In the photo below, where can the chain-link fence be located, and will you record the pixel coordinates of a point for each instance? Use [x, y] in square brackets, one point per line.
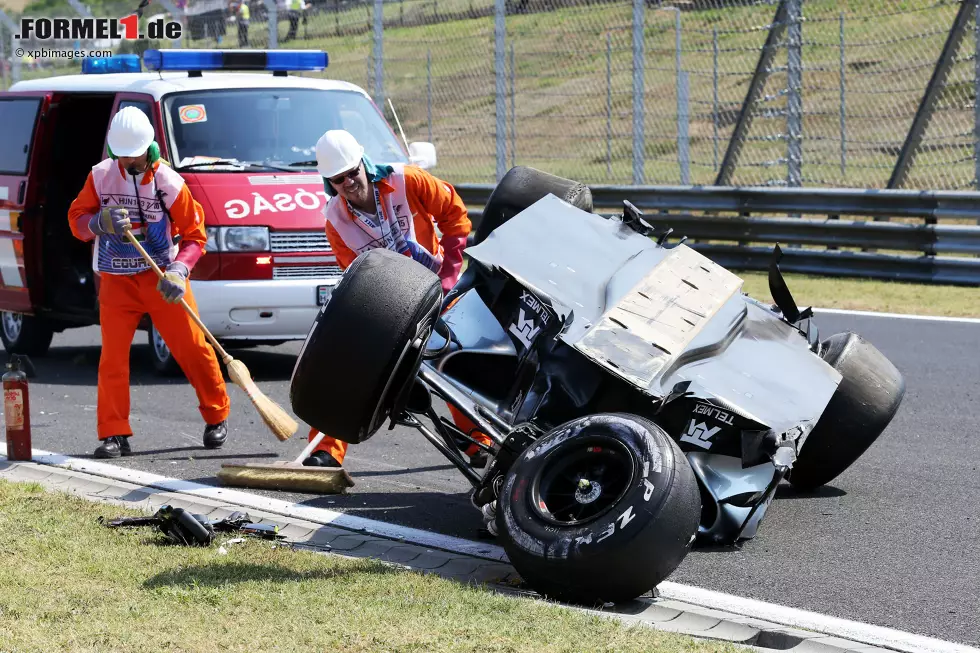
[856, 93]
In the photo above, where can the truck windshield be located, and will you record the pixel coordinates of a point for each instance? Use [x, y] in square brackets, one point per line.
[273, 128]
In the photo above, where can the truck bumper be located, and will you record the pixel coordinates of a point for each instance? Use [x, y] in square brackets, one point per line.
[259, 310]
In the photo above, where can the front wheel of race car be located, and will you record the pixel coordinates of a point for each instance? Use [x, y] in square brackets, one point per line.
[520, 188]
[600, 509]
[365, 346]
[868, 396]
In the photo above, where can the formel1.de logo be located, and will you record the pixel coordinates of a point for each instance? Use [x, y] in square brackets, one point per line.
[80, 29]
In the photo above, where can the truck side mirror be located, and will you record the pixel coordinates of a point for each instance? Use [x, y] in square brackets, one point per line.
[422, 154]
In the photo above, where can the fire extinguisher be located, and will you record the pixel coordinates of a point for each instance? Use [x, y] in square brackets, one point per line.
[17, 410]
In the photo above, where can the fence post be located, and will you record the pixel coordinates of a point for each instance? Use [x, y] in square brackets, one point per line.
[794, 98]
[273, 12]
[976, 102]
[608, 105]
[759, 77]
[499, 30]
[843, 102]
[683, 120]
[513, 111]
[681, 80]
[428, 75]
[14, 60]
[924, 113]
[379, 60]
[3, 58]
[714, 110]
[639, 7]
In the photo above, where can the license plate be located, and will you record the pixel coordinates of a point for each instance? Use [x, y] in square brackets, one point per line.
[323, 294]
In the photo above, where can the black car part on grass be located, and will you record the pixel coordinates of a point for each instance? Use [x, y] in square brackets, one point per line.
[191, 529]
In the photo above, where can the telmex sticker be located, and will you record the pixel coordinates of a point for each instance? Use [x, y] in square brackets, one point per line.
[192, 113]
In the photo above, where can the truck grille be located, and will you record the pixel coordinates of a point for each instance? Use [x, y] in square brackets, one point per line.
[299, 241]
[326, 272]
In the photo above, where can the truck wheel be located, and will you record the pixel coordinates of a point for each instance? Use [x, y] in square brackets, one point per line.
[365, 346]
[163, 361]
[520, 188]
[25, 334]
[600, 509]
[870, 392]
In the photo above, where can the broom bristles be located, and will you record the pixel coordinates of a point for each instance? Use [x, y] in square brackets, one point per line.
[277, 419]
[287, 477]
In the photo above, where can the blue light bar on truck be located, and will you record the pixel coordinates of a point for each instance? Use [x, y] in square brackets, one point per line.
[194, 60]
[121, 63]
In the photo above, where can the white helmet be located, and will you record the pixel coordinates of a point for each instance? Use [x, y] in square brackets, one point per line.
[130, 132]
[337, 151]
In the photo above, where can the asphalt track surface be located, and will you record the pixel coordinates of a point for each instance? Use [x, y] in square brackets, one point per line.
[892, 542]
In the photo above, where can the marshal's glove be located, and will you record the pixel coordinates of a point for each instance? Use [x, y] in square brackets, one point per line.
[110, 220]
[174, 282]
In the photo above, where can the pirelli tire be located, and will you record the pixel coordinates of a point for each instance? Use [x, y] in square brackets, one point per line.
[520, 188]
[601, 509]
[868, 397]
[365, 347]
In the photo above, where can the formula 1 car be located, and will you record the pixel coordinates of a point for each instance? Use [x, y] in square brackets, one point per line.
[637, 400]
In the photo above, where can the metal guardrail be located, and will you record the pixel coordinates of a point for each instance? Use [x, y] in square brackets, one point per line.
[724, 223]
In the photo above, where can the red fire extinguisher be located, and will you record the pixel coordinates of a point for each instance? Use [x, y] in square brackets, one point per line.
[17, 410]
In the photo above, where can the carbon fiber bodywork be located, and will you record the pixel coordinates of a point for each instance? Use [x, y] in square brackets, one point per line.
[564, 313]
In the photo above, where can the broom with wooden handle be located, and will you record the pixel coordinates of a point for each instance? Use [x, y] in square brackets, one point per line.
[277, 419]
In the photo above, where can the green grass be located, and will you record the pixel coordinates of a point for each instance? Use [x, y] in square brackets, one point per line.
[561, 87]
[71, 584]
[870, 295]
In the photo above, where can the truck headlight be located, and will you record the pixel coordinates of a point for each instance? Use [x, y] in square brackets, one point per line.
[214, 242]
[245, 239]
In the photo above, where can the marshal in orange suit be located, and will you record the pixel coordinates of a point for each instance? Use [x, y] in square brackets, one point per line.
[134, 189]
[361, 215]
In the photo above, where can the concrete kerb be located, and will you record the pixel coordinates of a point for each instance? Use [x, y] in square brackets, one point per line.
[484, 566]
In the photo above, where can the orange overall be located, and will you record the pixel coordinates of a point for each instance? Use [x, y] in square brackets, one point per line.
[125, 298]
[432, 202]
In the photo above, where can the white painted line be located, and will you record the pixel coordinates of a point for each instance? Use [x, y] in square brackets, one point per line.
[246, 499]
[843, 628]
[751, 608]
[902, 316]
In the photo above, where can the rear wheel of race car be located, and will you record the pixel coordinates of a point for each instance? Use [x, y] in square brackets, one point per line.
[365, 346]
[867, 398]
[520, 188]
[600, 509]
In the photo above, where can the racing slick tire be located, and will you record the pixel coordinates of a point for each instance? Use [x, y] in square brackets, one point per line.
[867, 398]
[520, 188]
[365, 347]
[24, 334]
[602, 508]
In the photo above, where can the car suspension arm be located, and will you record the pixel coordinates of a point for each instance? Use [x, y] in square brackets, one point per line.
[464, 404]
[472, 476]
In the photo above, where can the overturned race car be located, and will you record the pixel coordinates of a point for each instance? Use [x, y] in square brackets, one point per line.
[638, 401]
